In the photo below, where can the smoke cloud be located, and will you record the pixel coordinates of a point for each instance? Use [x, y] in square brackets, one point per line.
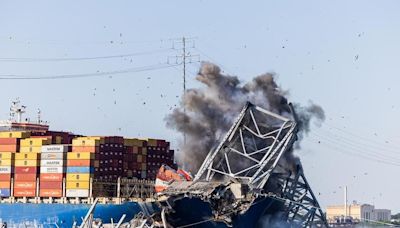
[211, 110]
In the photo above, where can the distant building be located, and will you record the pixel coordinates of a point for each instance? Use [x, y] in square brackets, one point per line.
[383, 214]
[361, 212]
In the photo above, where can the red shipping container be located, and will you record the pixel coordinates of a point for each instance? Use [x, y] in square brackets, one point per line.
[18, 192]
[25, 177]
[51, 177]
[5, 177]
[9, 148]
[50, 192]
[9, 141]
[50, 185]
[27, 170]
[25, 184]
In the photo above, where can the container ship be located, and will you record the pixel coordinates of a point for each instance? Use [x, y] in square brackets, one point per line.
[52, 177]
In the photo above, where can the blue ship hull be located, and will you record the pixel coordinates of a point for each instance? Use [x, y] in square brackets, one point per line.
[64, 215]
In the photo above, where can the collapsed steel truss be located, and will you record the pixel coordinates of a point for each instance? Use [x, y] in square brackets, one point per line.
[301, 205]
[250, 153]
[252, 148]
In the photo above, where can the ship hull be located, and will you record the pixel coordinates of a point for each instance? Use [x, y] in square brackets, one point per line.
[64, 215]
[261, 213]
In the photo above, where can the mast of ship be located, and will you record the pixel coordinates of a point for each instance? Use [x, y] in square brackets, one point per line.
[18, 110]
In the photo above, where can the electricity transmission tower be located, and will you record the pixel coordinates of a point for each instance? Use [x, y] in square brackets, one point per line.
[186, 57]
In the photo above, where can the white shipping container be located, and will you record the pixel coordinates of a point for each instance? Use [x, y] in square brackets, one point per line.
[52, 163]
[55, 148]
[5, 169]
[53, 156]
[52, 169]
[77, 193]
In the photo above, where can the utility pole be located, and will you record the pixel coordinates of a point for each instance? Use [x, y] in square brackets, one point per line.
[184, 58]
[184, 82]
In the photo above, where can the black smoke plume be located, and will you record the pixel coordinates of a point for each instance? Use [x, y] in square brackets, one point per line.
[211, 110]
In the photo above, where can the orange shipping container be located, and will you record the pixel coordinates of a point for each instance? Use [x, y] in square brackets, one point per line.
[51, 177]
[25, 177]
[9, 148]
[84, 162]
[5, 184]
[50, 192]
[5, 177]
[51, 185]
[91, 149]
[25, 184]
[18, 192]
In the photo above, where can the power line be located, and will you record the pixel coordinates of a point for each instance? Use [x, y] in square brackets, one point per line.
[4, 59]
[355, 141]
[351, 144]
[360, 150]
[212, 59]
[366, 139]
[85, 75]
[355, 153]
[112, 41]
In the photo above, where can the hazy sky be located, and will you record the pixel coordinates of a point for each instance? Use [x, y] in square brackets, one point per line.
[342, 55]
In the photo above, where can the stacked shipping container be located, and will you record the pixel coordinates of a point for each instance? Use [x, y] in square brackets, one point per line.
[6, 171]
[52, 170]
[135, 156]
[9, 145]
[158, 153]
[26, 174]
[36, 164]
[110, 158]
[34, 145]
[27, 166]
[80, 165]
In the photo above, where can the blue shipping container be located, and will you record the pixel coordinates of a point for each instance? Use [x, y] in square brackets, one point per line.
[80, 169]
[4, 192]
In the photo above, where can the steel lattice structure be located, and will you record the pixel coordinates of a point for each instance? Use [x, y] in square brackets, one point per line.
[301, 205]
[250, 153]
[252, 147]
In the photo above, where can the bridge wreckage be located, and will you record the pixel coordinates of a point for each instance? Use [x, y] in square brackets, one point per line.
[251, 179]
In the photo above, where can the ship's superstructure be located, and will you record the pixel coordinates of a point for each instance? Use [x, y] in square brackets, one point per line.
[17, 123]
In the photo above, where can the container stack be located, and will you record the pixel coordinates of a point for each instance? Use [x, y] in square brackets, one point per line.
[26, 174]
[79, 173]
[52, 170]
[80, 165]
[158, 153]
[10, 140]
[56, 137]
[110, 158]
[9, 145]
[135, 156]
[6, 171]
[34, 145]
